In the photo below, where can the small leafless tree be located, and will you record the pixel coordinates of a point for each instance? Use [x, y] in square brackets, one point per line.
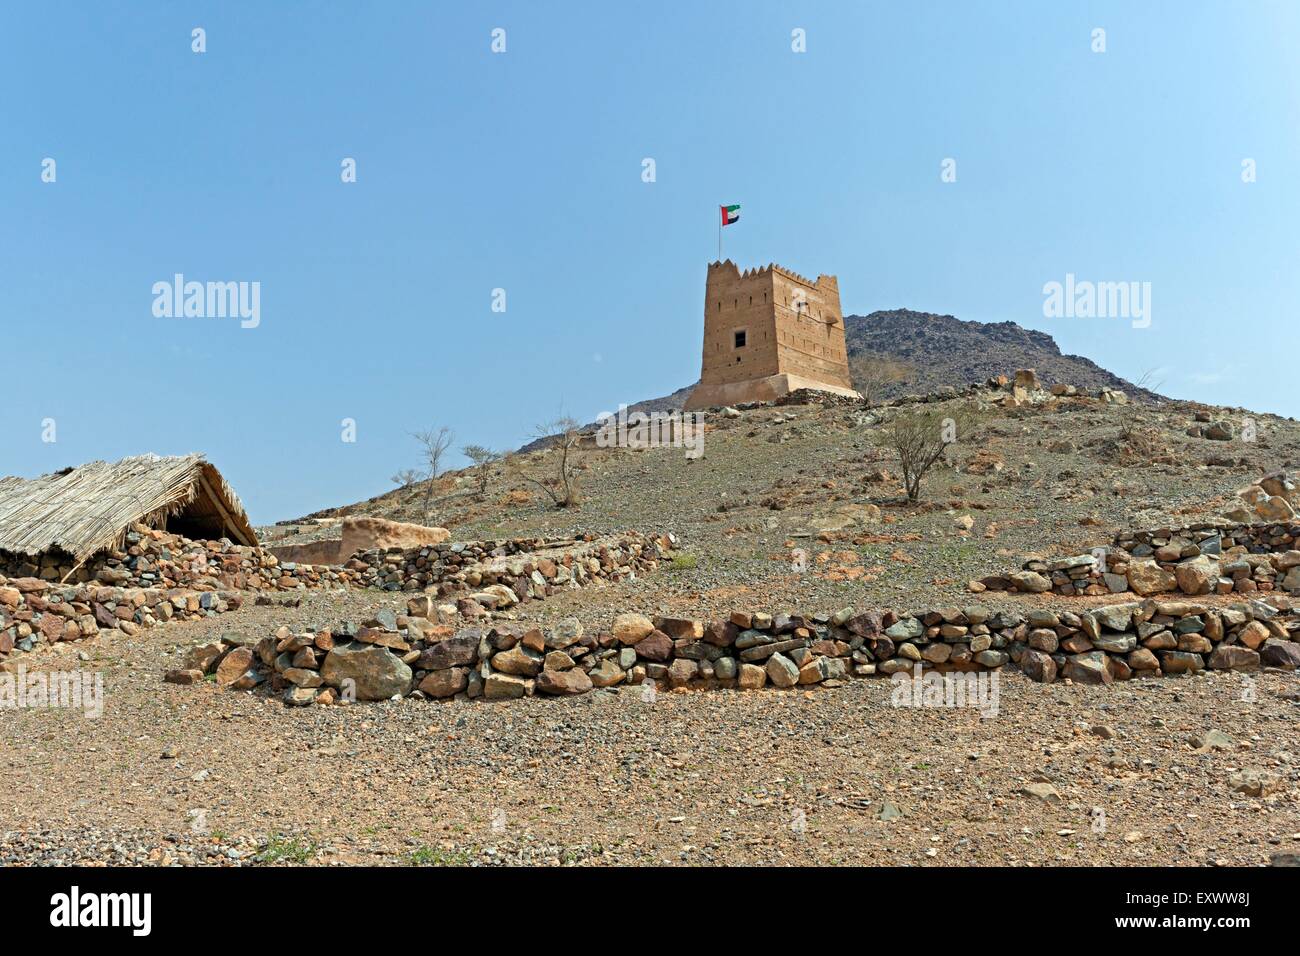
[483, 458]
[871, 373]
[406, 477]
[433, 445]
[920, 435]
[562, 436]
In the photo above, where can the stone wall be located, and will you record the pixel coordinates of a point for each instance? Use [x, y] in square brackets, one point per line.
[1206, 558]
[419, 654]
[150, 558]
[35, 612]
[499, 574]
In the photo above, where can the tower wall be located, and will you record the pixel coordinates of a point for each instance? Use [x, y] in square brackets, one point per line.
[793, 336]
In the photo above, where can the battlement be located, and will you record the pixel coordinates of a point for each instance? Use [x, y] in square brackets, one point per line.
[772, 267]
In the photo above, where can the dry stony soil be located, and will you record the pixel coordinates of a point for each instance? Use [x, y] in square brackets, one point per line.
[838, 775]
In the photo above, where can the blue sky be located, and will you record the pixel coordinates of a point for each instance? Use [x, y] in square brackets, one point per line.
[523, 171]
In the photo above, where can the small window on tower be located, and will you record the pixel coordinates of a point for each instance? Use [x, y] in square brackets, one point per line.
[740, 339]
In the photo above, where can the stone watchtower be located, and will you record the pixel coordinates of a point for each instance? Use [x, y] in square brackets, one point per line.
[768, 332]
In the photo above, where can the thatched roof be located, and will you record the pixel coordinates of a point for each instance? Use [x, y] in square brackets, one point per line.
[83, 510]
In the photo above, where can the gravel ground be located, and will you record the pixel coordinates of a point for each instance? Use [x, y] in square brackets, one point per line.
[834, 775]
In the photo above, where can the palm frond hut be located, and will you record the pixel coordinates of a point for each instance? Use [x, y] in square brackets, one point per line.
[81, 511]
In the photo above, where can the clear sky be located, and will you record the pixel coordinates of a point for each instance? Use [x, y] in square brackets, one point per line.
[523, 171]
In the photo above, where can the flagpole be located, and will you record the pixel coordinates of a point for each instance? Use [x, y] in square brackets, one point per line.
[719, 235]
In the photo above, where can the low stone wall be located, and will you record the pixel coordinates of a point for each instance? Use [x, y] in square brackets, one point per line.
[1193, 560]
[35, 612]
[502, 573]
[1210, 538]
[416, 655]
[150, 558]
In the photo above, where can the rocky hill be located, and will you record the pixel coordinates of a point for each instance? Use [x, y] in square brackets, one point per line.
[941, 350]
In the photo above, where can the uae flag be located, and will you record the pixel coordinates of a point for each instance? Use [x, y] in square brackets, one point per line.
[730, 214]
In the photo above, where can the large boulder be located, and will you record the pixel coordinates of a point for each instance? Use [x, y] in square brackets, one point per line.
[631, 628]
[1280, 653]
[1274, 508]
[365, 533]
[519, 661]
[1038, 666]
[1197, 575]
[376, 673]
[569, 682]
[456, 651]
[1093, 667]
[1233, 657]
[446, 683]
[1147, 577]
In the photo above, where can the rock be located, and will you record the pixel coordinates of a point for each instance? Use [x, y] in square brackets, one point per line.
[376, 673]
[631, 628]
[1147, 577]
[234, 666]
[1253, 635]
[1213, 740]
[963, 522]
[183, 676]
[1093, 667]
[1233, 657]
[1038, 666]
[1115, 643]
[456, 651]
[751, 677]
[1027, 379]
[519, 661]
[1279, 653]
[1181, 662]
[302, 677]
[1218, 431]
[607, 674]
[445, 683]
[1116, 617]
[1255, 783]
[782, 671]
[560, 661]
[657, 647]
[1041, 791]
[565, 633]
[1044, 639]
[1275, 508]
[991, 658]
[904, 629]
[504, 687]
[1143, 660]
[299, 696]
[682, 671]
[724, 668]
[203, 657]
[1197, 575]
[680, 628]
[367, 533]
[937, 653]
[567, 682]
[1030, 581]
